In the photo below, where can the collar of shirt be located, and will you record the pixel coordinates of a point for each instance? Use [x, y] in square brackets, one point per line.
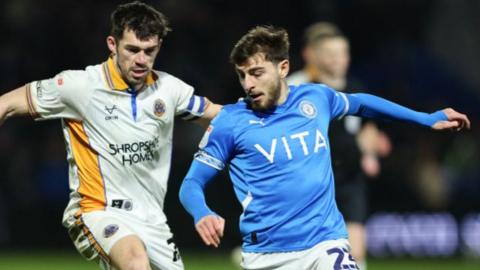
[114, 79]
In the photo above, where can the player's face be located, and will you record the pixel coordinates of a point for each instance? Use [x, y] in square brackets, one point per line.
[332, 56]
[263, 81]
[134, 57]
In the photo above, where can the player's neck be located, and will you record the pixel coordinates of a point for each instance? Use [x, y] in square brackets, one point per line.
[137, 87]
[284, 90]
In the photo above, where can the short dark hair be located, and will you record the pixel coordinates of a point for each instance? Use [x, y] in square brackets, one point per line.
[270, 40]
[143, 19]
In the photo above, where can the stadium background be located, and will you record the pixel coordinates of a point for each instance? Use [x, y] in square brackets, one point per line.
[424, 54]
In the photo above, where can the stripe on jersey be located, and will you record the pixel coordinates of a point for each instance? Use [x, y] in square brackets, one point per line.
[195, 109]
[106, 74]
[248, 199]
[347, 105]
[205, 158]
[31, 108]
[91, 239]
[91, 186]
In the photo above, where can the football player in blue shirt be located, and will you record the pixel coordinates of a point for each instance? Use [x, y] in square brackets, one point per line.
[276, 147]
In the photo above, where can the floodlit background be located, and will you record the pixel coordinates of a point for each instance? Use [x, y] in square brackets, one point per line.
[425, 207]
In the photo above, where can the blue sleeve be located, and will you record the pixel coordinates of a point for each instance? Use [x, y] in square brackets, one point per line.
[215, 150]
[217, 143]
[337, 101]
[192, 194]
[371, 106]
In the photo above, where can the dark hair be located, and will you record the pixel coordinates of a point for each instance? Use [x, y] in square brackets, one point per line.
[270, 40]
[143, 19]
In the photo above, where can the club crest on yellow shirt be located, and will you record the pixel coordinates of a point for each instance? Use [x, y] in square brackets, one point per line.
[159, 108]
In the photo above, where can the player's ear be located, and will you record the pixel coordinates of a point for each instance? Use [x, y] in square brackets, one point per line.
[112, 44]
[284, 68]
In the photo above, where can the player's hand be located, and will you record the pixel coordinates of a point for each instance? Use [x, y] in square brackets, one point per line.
[456, 121]
[210, 228]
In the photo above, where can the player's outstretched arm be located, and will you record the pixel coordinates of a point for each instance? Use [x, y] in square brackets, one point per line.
[13, 103]
[455, 121]
[371, 106]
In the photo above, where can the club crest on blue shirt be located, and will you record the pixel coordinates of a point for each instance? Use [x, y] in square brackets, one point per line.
[308, 109]
[110, 230]
[159, 107]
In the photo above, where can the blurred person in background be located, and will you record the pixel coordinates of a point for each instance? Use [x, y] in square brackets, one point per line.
[355, 146]
[117, 120]
[276, 146]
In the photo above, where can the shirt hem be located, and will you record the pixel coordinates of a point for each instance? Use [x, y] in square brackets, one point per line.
[292, 249]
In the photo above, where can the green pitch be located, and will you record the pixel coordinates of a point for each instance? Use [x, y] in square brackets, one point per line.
[57, 260]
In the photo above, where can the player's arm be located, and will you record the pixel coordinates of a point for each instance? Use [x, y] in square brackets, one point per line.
[13, 103]
[63, 96]
[211, 110]
[199, 110]
[371, 106]
[216, 148]
[209, 225]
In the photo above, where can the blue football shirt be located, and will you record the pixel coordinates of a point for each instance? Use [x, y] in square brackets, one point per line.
[280, 167]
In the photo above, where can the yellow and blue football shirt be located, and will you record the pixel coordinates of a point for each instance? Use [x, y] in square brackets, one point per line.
[119, 141]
